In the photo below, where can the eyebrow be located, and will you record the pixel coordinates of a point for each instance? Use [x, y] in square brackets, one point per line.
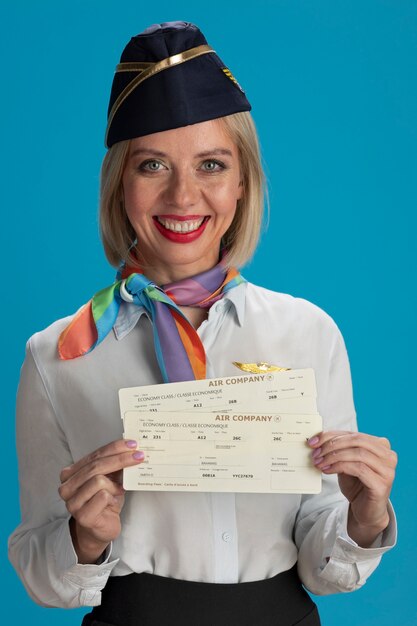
[200, 155]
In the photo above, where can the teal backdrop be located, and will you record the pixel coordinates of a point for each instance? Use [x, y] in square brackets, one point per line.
[333, 85]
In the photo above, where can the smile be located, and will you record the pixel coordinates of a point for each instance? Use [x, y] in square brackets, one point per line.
[181, 229]
[181, 226]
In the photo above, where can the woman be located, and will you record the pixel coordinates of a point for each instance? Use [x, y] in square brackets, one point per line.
[181, 197]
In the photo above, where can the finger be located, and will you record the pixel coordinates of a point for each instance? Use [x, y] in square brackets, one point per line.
[110, 449]
[365, 474]
[330, 435]
[318, 439]
[116, 477]
[100, 466]
[88, 491]
[336, 440]
[356, 455]
[88, 515]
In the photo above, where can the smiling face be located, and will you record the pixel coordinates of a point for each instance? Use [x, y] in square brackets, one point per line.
[181, 187]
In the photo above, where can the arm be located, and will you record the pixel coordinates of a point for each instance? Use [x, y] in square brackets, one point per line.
[331, 561]
[365, 467]
[41, 548]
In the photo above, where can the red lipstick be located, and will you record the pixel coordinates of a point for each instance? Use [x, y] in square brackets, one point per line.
[179, 218]
[181, 237]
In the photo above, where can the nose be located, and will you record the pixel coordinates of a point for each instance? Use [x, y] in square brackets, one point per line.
[182, 190]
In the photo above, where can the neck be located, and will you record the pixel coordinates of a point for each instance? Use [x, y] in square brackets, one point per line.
[164, 274]
[194, 314]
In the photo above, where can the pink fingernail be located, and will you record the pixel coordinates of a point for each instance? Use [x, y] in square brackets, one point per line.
[313, 441]
[326, 467]
[318, 460]
[131, 443]
[316, 453]
[138, 456]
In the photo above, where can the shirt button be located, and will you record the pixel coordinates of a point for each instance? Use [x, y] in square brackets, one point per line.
[227, 537]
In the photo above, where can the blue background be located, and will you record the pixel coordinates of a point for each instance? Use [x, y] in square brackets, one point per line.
[334, 95]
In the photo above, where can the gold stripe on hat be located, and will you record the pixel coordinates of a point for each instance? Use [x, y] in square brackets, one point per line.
[176, 59]
[133, 67]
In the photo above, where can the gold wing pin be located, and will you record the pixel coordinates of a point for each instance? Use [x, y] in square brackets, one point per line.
[259, 368]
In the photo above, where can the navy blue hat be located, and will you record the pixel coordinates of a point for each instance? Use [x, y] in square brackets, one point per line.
[169, 77]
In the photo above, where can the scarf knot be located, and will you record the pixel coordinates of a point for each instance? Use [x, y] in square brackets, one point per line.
[178, 347]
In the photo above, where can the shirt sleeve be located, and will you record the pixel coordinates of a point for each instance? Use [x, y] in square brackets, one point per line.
[41, 548]
[329, 561]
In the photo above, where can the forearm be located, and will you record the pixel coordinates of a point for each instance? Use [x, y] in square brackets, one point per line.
[365, 536]
[41, 547]
[47, 565]
[329, 559]
[88, 549]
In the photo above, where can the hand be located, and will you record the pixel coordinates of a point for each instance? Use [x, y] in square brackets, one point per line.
[365, 467]
[94, 496]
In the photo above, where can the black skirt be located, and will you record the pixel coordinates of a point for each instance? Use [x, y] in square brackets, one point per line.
[149, 600]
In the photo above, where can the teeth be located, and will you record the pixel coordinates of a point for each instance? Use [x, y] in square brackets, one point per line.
[180, 227]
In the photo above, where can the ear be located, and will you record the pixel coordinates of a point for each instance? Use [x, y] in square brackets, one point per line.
[240, 190]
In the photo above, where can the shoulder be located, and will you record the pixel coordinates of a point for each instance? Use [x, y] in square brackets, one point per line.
[288, 308]
[43, 345]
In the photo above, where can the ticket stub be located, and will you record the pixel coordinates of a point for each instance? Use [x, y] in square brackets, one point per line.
[230, 451]
[292, 391]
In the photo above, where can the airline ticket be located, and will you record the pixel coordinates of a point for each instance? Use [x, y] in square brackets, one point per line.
[291, 391]
[233, 434]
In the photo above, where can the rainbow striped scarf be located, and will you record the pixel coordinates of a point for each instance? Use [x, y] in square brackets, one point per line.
[178, 347]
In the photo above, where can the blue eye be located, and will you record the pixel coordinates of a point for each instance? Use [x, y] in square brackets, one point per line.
[213, 165]
[151, 165]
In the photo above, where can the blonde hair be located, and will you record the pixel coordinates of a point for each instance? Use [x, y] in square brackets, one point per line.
[241, 238]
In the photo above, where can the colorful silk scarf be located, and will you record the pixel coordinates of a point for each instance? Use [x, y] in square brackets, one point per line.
[178, 348]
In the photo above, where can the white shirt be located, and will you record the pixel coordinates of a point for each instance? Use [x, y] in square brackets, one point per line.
[66, 409]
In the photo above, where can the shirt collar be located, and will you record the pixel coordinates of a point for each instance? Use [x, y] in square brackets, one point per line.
[237, 296]
[129, 314]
